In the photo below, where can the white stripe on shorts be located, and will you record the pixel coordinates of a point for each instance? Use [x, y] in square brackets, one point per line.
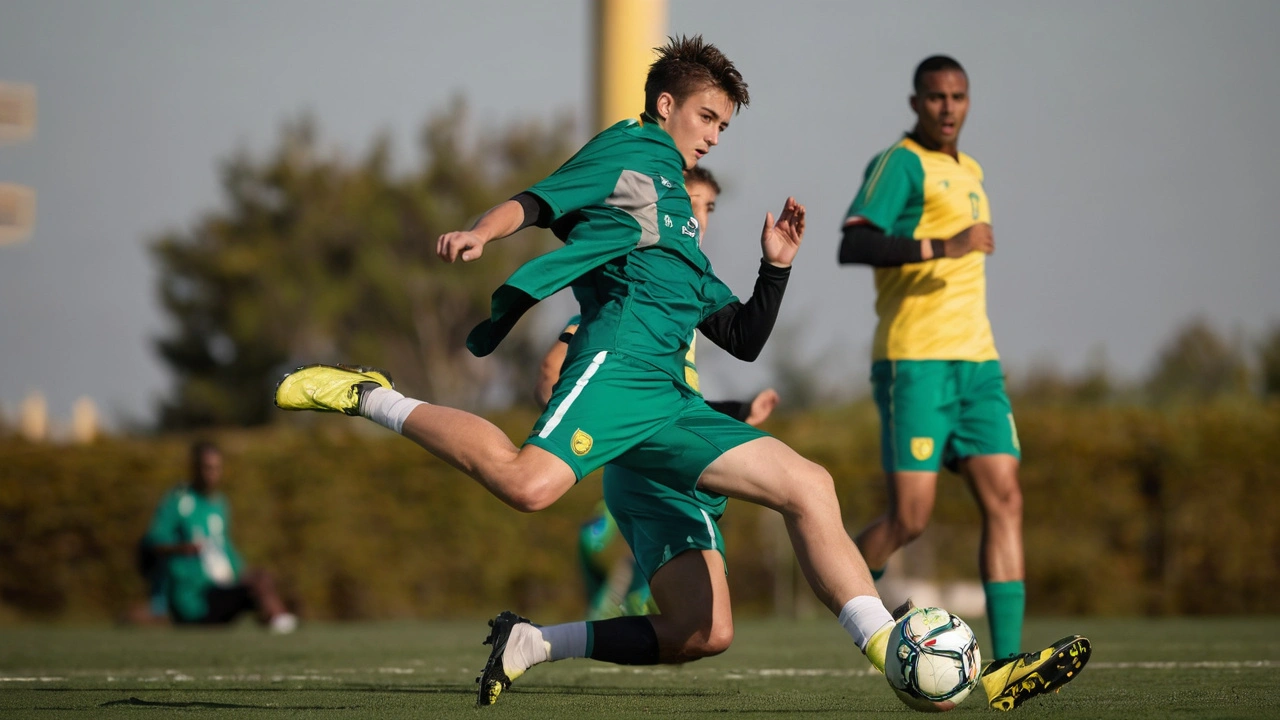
[563, 407]
[711, 528]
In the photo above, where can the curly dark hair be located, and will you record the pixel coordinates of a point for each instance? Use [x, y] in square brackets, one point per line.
[687, 65]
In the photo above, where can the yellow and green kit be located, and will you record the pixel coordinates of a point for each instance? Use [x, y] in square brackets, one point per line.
[935, 369]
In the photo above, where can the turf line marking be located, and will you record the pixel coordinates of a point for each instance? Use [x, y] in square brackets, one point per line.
[727, 673]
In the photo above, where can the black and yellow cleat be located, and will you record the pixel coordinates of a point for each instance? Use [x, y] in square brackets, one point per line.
[1013, 681]
[329, 388]
[496, 676]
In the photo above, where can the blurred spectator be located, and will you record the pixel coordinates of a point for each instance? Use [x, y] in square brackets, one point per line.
[190, 562]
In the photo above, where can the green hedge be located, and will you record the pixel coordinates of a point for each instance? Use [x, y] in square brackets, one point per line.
[1128, 511]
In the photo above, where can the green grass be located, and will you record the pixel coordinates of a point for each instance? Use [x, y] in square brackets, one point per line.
[1214, 668]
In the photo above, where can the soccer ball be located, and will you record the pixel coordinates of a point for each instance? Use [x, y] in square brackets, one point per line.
[932, 662]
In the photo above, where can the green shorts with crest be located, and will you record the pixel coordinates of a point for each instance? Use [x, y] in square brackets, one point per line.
[656, 436]
[610, 408]
[938, 412]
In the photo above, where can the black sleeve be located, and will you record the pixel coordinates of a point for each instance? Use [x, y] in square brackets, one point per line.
[742, 329]
[536, 211]
[865, 244]
[736, 409]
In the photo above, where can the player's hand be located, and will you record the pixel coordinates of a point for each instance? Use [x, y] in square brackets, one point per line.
[762, 406]
[976, 237]
[463, 245]
[781, 240]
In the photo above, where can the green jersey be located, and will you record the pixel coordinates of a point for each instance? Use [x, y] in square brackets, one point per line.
[186, 516]
[631, 253]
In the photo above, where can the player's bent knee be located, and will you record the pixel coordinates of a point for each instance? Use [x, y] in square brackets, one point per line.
[908, 527]
[811, 487]
[707, 643]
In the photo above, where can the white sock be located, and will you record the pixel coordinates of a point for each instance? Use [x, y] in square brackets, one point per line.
[566, 641]
[862, 617]
[387, 407]
[525, 648]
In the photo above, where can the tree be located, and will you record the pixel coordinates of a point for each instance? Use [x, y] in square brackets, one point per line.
[316, 259]
[1198, 365]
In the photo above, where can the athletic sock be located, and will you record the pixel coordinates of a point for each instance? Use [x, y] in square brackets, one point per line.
[864, 617]
[525, 648]
[565, 641]
[387, 407]
[624, 640]
[1006, 604]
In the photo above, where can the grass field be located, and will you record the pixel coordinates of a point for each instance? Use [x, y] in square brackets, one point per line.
[1214, 668]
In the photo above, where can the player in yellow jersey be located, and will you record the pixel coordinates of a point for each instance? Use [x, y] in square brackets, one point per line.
[921, 219]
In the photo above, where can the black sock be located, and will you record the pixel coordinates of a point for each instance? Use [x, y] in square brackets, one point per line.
[624, 640]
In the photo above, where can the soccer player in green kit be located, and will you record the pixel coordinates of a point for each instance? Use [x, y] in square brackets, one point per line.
[921, 219]
[660, 533]
[631, 255]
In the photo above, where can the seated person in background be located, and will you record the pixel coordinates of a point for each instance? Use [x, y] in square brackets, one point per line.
[205, 579]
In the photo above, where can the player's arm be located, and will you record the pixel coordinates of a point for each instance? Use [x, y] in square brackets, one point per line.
[743, 328]
[500, 221]
[865, 244]
[549, 373]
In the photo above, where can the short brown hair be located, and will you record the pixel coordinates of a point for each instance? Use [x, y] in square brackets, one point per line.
[687, 65]
[698, 175]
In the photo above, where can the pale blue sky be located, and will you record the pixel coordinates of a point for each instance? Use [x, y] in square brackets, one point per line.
[1127, 151]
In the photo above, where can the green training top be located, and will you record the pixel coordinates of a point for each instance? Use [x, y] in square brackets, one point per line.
[186, 516]
[631, 253]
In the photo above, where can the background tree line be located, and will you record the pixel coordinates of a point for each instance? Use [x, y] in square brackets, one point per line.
[316, 258]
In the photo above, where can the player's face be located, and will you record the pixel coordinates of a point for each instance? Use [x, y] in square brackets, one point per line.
[695, 124]
[209, 470]
[703, 199]
[941, 106]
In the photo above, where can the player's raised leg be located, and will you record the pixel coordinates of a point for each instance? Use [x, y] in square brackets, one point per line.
[527, 479]
[767, 472]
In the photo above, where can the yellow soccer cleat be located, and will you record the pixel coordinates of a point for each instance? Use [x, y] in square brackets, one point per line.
[1012, 681]
[878, 647]
[329, 388]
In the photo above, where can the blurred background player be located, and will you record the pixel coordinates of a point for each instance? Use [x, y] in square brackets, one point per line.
[921, 219]
[619, 585]
[198, 566]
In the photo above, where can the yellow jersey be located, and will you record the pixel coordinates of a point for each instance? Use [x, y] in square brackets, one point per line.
[936, 309]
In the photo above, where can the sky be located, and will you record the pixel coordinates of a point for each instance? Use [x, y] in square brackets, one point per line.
[1125, 147]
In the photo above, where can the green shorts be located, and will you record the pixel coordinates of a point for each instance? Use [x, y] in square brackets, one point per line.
[938, 412]
[661, 520]
[610, 408]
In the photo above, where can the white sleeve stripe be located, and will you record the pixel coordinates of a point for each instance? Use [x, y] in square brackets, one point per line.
[563, 407]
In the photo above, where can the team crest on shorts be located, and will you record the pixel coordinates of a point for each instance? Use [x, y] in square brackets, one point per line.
[921, 448]
[580, 442]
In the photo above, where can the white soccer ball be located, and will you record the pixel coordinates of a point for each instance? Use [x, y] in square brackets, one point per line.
[933, 660]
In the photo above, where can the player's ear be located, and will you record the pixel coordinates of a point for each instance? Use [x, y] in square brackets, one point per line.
[912, 102]
[666, 105]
